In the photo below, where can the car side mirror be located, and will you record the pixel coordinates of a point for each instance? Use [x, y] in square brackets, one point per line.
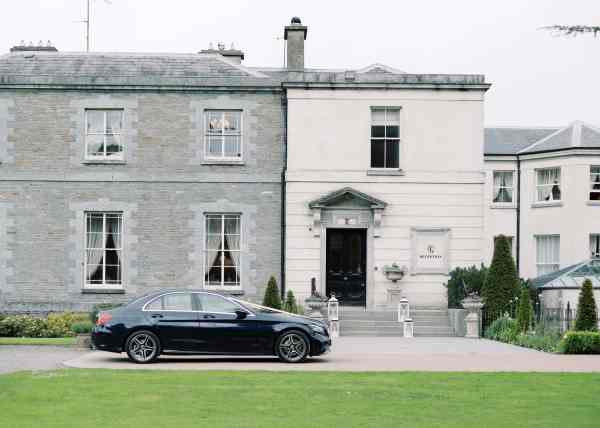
[241, 314]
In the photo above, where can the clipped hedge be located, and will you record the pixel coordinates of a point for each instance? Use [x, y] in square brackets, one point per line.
[83, 327]
[580, 342]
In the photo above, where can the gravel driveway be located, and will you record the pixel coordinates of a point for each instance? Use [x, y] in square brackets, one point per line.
[22, 357]
[376, 354]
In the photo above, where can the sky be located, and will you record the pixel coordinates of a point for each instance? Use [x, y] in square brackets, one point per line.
[538, 79]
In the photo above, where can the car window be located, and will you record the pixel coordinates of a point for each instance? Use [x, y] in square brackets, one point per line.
[172, 302]
[214, 303]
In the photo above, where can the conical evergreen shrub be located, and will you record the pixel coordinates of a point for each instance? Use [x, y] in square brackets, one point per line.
[587, 315]
[290, 303]
[272, 298]
[524, 311]
[502, 282]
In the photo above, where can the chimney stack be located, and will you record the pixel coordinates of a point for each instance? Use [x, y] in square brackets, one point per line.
[233, 54]
[41, 47]
[295, 34]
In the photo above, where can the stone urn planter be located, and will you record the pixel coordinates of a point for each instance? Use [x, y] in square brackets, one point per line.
[315, 304]
[473, 304]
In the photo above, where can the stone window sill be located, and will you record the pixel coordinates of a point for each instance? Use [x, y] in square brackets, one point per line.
[547, 204]
[103, 162]
[594, 203]
[385, 172]
[226, 291]
[102, 291]
[505, 206]
[222, 162]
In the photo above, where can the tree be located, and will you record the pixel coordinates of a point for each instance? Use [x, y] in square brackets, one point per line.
[524, 311]
[463, 281]
[290, 303]
[587, 316]
[573, 30]
[501, 283]
[272, 299]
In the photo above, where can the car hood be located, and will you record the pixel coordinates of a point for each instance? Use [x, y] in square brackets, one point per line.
[289, 317]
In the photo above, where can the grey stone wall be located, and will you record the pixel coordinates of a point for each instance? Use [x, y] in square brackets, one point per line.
[162, 188]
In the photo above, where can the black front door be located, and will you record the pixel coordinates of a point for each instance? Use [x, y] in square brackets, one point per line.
[346, 262]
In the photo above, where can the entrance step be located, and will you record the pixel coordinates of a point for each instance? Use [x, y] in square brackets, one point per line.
[428, 322]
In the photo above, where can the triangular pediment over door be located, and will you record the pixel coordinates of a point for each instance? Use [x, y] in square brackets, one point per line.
[347, 199]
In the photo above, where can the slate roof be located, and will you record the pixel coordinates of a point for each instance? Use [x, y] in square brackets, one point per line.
[509, 141]
[135, 69]
[570, 277]
[513, 141]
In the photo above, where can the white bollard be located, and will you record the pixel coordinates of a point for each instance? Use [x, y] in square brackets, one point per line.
[403, 309]
[334, 329]
[408, 327]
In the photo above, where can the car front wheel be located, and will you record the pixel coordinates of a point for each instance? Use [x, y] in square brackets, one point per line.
[292, 347]
[143, 347]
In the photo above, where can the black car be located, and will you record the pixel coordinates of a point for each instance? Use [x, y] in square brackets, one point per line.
[200, 322]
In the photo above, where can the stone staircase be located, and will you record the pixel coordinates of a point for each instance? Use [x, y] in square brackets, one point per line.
[428, 322]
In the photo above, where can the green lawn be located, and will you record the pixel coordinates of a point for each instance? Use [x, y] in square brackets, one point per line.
[119, 398]
[56, 341]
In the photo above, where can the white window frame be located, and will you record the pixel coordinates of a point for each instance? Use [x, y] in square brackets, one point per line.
[222, 285]
[593, 177]
[119, 156]
[512, 187]
[385, 123]
[538, 185]
[207, 155]
[554, 263]
[593, 238]
[85, 249]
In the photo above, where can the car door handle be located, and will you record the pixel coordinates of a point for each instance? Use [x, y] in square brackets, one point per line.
[209, 317]
[156, 316]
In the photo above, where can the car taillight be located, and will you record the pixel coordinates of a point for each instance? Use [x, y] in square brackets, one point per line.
[103, 318]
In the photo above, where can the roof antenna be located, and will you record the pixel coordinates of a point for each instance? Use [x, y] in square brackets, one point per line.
[86, 21]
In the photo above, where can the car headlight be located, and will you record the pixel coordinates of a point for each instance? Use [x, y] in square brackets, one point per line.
[317, 329]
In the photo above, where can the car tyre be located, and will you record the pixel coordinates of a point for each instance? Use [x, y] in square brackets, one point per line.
[143, 347]
[292, 346]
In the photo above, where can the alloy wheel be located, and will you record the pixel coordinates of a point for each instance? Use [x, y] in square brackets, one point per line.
[293, 347]
[142, 347]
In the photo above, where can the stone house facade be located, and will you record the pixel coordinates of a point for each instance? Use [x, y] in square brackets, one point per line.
[125, 173]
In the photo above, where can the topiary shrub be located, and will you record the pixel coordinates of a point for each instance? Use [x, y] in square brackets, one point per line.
[524, 311]
[471, 278]
[503, 329]
[272, 299]
[587, 315]
[101, 307]
[501, 283]
[82, 327]
[580, 342]
[290, 304]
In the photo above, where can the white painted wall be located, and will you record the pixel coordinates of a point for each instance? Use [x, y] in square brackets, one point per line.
[441, 155]
[574, 219]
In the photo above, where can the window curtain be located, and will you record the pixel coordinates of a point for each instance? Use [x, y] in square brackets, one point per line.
[548, 185]
[502, 180]
[232, 234]
[213, 246]
[95, 240]
[595, 246]
[114, 233]
[547, 254]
